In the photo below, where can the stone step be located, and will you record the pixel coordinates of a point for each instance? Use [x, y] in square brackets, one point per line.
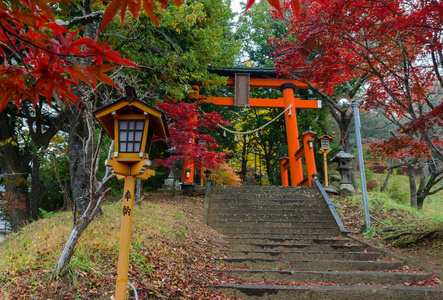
[338, 277]
[293, 247]
[258, 201]
[263, 197]
[282, 240]
[214, 212]
[283, 235]
[331, 292]
[266, 207]
[270, 202]
[280, 235]
[307, 265]
[319, 223]
[304, 255]
[214, 218]
[327, 229]
[262, 189]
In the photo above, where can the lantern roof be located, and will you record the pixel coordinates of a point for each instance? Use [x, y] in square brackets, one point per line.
[128, 105]
[327, 136]
[342, 155]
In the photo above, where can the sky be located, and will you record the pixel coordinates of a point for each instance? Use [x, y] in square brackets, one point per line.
[235, 5]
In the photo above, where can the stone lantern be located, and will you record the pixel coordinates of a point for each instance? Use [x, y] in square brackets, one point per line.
[344, 167]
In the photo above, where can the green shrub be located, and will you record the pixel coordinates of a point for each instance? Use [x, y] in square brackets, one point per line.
[369, 174]
[398, 191]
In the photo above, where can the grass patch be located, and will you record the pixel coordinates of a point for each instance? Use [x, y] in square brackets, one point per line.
[394, 220]
[395, 225]
[171, 255]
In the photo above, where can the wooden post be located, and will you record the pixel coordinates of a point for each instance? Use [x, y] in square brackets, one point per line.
[325, 166]
[125, 239]
[295, 167]
[188, 165]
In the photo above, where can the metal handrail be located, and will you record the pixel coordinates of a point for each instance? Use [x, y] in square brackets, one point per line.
[331, 206]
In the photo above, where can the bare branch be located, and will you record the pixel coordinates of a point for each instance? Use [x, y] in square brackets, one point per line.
[57, 173]
[95, 16]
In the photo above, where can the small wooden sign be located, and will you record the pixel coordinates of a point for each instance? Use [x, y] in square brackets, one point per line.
[241, 90]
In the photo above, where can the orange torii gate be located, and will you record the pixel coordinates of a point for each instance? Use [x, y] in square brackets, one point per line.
[244, 78]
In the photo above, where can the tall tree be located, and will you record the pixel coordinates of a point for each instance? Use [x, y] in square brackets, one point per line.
[394, 46]
[175, 54]
[187, 141]
[254, 30]
[43, 59]
[24, 135]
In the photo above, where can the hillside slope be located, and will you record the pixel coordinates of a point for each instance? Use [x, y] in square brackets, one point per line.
[172, 253]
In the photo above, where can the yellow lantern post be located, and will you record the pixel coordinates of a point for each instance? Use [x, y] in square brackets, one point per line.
[131, 124]
[324, 148]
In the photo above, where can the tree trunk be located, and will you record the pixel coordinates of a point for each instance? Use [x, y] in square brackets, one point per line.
[420, 201]
[76, 232]
[244, 160]
[421, 187]
[269, 170]
[94, 198]
[67, 204]
[35, 188]
[79, 177]
[15, 171]
[433, 179]
[177, 169]
[16, 185]
[385, 183]
[138, 189]
[412, 186]
[78, 134]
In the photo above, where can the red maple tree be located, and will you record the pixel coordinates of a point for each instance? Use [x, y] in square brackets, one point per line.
[395, 46]
[151, 9]
[187, 141]
[40, 56]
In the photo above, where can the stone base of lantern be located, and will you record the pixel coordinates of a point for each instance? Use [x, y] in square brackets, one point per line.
[168, 185]
[346, 189]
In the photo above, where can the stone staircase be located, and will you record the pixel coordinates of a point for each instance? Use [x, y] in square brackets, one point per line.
[289, 243]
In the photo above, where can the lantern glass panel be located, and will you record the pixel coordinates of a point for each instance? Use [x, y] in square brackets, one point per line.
[130, 135]
[123, 136]
[325, 143]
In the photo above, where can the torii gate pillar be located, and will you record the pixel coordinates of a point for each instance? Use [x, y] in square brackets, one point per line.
[188, 169]
[295, 166]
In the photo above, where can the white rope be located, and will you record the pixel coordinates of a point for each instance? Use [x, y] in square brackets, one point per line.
[12, 174]
[255, 130]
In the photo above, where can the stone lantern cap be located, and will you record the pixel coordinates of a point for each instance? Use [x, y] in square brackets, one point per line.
[343, 159]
